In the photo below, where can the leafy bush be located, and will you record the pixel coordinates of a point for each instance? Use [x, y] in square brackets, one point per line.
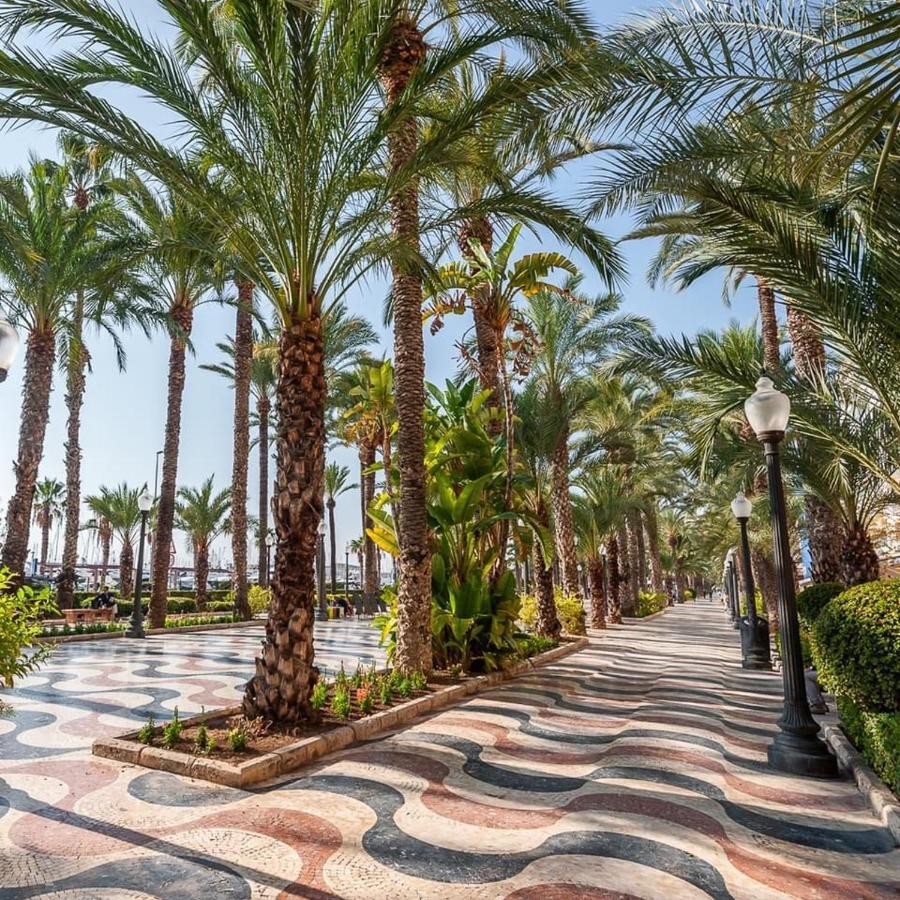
[689, 594]
[365, 699]
[192, 621]
[259, 599]
[319, 696]
[876, 736]
[812, 600]
[175, 604]
[21, 612]
[535, 644]
[222, 606]
[340, 702]
[385, 694]
[650, 603]
[238, 738]
[856, 645]
[172, 731]
[571, 612]
[148, 729]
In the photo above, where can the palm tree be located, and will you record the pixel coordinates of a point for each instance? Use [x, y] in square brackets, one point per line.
[89, 174]
[181, 259]
[203, 516]
[48, 252]
[574, 334]
[336, 483]
[50, 504]
[119, 508]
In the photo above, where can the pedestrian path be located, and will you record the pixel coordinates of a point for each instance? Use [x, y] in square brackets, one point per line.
[635, 768]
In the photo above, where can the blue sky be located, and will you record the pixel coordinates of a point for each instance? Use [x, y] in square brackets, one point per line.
[124, 412]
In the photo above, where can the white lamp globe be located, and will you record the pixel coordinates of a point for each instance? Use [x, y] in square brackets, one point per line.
[9, 347]
[741, 507]
[145, 501]
[767, 409]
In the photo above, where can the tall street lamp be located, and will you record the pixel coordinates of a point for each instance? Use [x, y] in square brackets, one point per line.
[9, 347]
[145, 501]
[754, 630]
[347, 570]
[729, 584]
[320, 560]
[797, 748]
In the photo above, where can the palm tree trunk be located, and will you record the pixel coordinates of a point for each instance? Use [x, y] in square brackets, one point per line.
[769, 324]
[126, 572]
[548, 624]
[632, 528]
[243, 359]
[651, 526]
[75, 384]
[764, 572]
[614, 604]
[824, 530]
[625, 596]
[562, 516]
[598, 595]
[285, 672]
[641, 549]
[486, 341]
[45, 536]
[404, 53]
[332, 538]
[201, 572]
[859, 559]
[40, 355]
[105, 539]
[262, 411]
[370, 579]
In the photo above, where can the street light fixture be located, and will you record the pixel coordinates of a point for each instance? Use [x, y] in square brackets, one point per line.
[797, 748]
[731, 588]
[145, 501]
[9, 347]
[320, 559]
[754, 630]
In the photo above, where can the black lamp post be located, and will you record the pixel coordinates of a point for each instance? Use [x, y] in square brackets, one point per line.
[754, 630]
[347, 570]
[9, 347]
[145, 501]
[320, 560]
[729, 584]
[797, 749]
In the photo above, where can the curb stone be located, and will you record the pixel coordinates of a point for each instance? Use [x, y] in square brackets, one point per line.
[286, 760]
[880, 798]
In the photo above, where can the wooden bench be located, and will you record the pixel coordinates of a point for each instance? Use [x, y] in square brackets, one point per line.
[88, 616]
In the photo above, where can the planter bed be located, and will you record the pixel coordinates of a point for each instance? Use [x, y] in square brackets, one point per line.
[107, 635]
[279, 753]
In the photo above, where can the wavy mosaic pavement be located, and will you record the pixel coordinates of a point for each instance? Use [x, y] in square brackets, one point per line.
[636, 768]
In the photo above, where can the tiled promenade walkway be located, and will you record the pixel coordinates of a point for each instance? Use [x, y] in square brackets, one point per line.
[633, 769]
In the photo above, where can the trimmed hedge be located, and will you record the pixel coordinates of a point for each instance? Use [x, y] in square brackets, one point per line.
[856, 645]
[571, 612]
[812, 600]
[877, 737]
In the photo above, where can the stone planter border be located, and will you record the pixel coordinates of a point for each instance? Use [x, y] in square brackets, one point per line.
[109, 635]
[291, 757]
[882, 801]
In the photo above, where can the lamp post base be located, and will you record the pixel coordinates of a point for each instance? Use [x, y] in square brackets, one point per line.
[802, 755]
[755, 644]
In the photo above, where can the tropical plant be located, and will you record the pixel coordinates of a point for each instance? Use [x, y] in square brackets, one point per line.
[48, 253]
[21, 613]
[118, 507]
[337, 478]
[50, 503]
[203, 515]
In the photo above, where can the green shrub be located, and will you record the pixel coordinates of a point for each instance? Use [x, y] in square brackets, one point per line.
[650, 603]
[319, 696]
[877, 737]
[535, 644]
[571, 612]
[21, 625]
[812, 600]
[148, 729]
[238, 738]
[856, 645]
[259, 599]
[689, 594]
[340, 702]
[222, 606]
[180, 605]
[385, 694]
[172, 731]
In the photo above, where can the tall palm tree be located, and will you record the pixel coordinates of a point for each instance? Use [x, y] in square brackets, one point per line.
[50, 504]
[181, 259]
[203, 516]
[90, 174]
[119, 508]
[48, 252]
[337, 478]
[574, 334]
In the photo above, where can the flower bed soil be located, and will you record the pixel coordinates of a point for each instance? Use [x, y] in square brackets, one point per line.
[283, 751]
